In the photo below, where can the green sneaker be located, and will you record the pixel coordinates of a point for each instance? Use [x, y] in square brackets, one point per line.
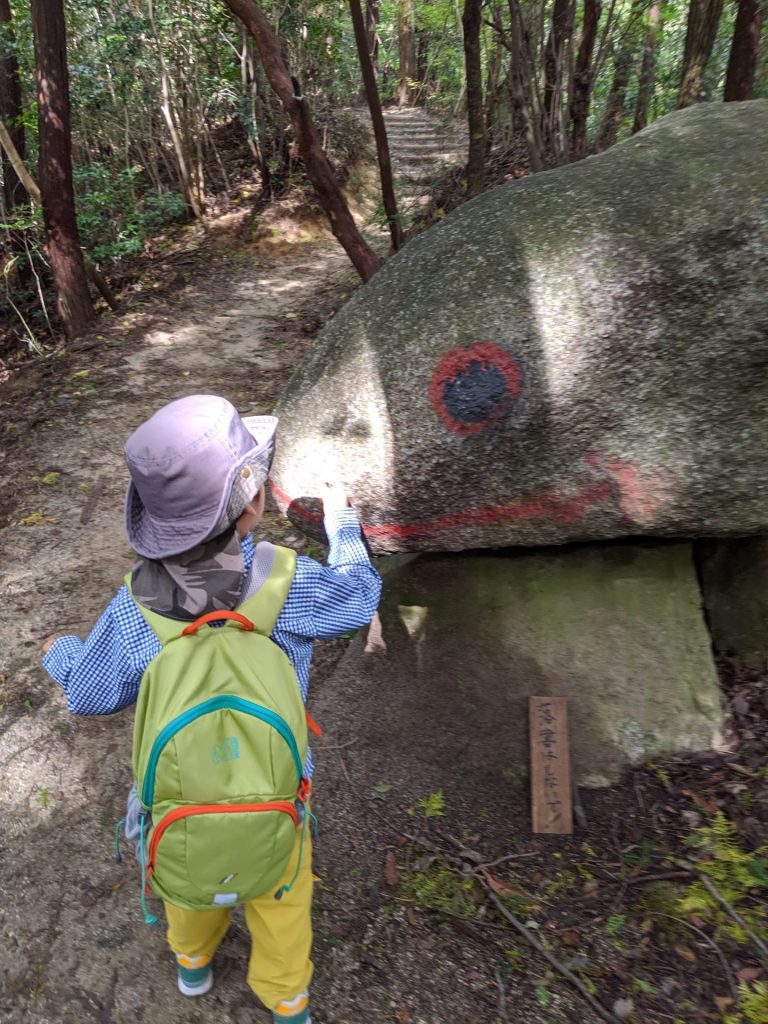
[195, 974]
[293, 1011]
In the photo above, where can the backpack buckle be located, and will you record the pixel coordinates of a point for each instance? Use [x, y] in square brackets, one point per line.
[305, 788]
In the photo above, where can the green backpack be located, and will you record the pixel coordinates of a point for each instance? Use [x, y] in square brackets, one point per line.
[219, 745]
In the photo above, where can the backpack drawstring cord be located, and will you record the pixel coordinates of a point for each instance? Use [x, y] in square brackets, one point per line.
[149, 919]
[118, 855]
[287, 888]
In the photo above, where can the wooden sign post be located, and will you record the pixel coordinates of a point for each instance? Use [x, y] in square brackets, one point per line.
[551, 787]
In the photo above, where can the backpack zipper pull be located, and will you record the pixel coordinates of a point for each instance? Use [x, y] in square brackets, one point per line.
[118, 855]
[287, 888]
[149, 919]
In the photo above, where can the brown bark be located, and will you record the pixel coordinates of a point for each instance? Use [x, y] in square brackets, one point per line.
[581, 87]
[523, 90]
[372, 31]
[647, 70]
[55, 167]
[471, 22]
[703, 19]
[407, 49]
[614, 107]
[10, 105]
[745, 49]
[554, 75]
[316, 163]
[492, 90]
[377, 120]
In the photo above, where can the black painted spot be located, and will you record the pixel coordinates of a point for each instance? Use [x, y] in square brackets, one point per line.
[477, 393]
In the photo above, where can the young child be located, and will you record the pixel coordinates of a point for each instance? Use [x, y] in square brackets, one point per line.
[198, 474]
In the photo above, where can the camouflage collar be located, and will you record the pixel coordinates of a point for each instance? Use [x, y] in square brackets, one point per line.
[207, 578]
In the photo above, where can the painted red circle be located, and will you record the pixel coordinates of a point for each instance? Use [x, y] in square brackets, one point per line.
[456, 364]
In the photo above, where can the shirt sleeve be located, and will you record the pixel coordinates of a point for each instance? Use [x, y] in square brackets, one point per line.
[101, 675]
[327, 601]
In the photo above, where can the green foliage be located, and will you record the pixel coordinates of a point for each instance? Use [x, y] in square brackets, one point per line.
[753, 1004]
[433, 806]
[440, 888]
[114, 219]
[543, 996]
[735, 874]
[615, 923]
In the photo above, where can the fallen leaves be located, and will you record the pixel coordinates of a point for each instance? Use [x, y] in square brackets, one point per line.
[391, 873]
[38, 518]
[624, 1008]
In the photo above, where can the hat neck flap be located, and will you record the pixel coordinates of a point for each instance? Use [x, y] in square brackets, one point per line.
[207, 578]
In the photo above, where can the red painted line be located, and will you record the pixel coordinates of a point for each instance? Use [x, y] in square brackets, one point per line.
[552, 505]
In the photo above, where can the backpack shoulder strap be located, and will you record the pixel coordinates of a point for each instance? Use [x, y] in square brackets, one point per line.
[165, 629]
[264, 607]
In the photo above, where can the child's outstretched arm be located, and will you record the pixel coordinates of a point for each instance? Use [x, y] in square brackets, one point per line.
[101, 675]
[344, 594]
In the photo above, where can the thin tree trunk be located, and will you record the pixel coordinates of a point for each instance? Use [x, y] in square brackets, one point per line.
[554, 65]
[379, 128]
[32, 190]
[581, 86]
[523, 90]
[169, 115]
[372, 32]
[14, 159]
[614, 107]
[745, 48]
[55, 174]
[11, 113]
[407, 50]
[471, 22]
[316, 162]
[703, 19]
[647, 70]
[10, 104]
[492, 94]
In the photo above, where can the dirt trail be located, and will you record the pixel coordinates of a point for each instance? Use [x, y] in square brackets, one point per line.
[73, 946]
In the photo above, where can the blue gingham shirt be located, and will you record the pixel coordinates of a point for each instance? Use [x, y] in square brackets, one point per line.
[102, 674]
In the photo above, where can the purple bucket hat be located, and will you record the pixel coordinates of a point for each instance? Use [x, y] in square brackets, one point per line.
[194, 467]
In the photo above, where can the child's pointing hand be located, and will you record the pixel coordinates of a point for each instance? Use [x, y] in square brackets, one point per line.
[334, 497]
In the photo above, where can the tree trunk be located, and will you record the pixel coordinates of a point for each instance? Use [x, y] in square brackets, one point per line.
[492, 89]
[316, 163]
[10, 106]
[581, 87]
[55, 167]
[554, 71]
[377, 120]
[703, 19]
[372, 32]
[471, 22]
[745, 48]
[614, 108]
[407, 47]
[522, 89]
[647, 70]
[11, 113]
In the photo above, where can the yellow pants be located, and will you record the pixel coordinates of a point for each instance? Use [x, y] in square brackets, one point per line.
[281, 933]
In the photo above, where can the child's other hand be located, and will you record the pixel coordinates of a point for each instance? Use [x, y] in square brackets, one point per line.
[49, 641]
[334, 497]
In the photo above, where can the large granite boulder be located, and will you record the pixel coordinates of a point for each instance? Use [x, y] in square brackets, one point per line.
[582, 354]
[442, 696]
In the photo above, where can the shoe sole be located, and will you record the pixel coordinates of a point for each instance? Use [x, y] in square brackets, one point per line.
[196, 990]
